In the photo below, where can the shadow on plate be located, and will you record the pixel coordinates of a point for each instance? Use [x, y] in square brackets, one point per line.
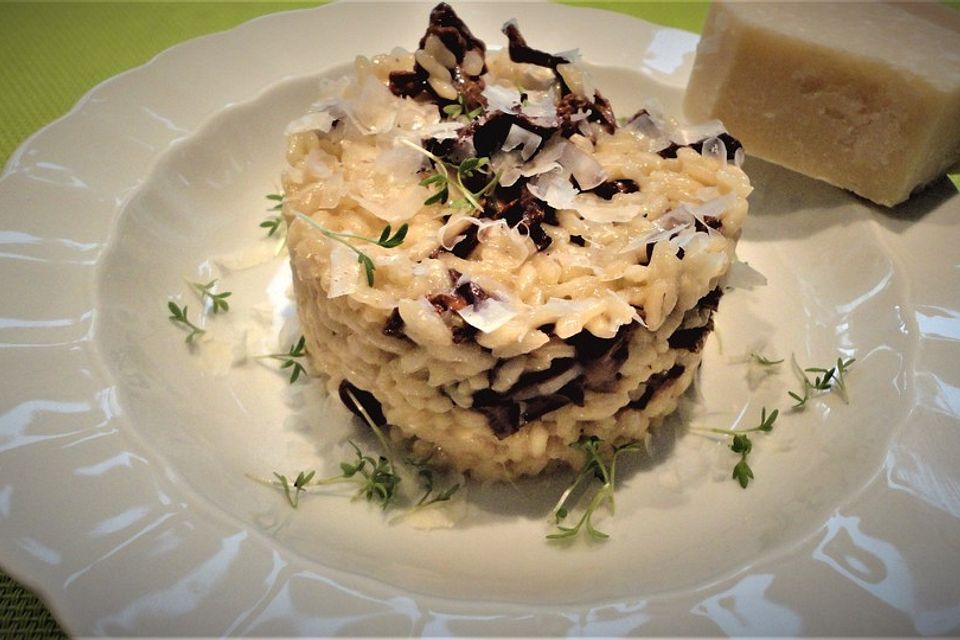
[780, 193]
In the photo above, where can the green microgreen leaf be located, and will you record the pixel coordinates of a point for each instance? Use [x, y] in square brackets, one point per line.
[278, 198]
[376, 477]
[766, 422]
[823, 380]
[218, 301]
[290, 359]
[594, 467]
[459, 109]
[742, 472]
[272, 224]
[740, 442]
[842, 367]
[760, 359]
[385, 240]
[292, 492]
[448, 174]
[179, 316]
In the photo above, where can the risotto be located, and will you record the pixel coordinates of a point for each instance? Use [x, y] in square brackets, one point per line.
[559, 270]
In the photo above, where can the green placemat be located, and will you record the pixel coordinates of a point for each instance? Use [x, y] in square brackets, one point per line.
[22, 615]
[52, 53]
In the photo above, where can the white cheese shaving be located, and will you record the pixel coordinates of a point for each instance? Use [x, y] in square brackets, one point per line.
[247, 257]
[688, 134]
[501, 98]
[540, 108]
[715, 206]
[440, 130]
[714, 148]
[392, 206]
[374, 109]
[488, 315]
[344, 271]
[743, 276]
[547, 159]
[582, 166]
[507, 166]
[315, 121]
[517, 136]
[620, 208]
[554, 188]
[457, 226]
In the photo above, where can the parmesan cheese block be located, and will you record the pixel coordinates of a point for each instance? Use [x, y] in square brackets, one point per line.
[865, 96]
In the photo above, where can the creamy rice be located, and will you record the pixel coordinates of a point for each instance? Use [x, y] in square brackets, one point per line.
[574, 302]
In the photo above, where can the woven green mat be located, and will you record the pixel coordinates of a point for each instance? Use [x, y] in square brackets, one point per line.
[22, 614]
[52, 53]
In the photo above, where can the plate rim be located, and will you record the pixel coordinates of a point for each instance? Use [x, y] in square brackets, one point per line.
[17, 159]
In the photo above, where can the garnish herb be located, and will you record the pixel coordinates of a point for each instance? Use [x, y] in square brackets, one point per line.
[767, 362]
[594, 467]
[290, 358]
[443, 188]
[377, 477]
[741, 443]
[218, 301]
[179, 316]
[387, 240]
[466, 169]
[425, 473]
[460, 109]
[293, 492]
[272, 223]
[278, 198]
[442, 179]
[824, 380]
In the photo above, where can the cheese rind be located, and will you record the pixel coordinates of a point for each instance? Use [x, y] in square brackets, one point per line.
[865, 96]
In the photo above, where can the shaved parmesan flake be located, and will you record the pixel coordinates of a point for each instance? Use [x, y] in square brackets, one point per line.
[547, 159]
[440, 130]
[374, 109]
[540, 108]
[500, 98]
[488, 315]
[344, 272]
[695, 133]
[247, 258]
[715, 207]
[507, 166]
[743, 276]
[620, 208]
[554, 188]
[456, 226]
[316, 121]
[582, 166]
[517, 136]
[393, 205]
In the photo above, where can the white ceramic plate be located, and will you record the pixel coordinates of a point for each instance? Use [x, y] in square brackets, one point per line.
[124, 496]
